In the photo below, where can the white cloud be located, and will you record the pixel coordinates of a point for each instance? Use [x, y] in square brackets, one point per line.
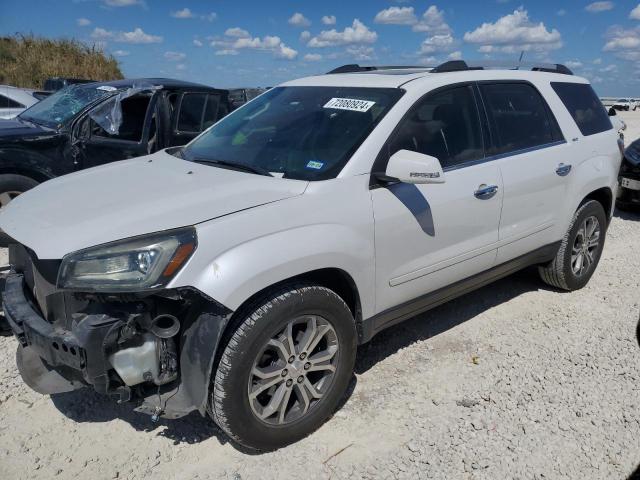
[457, 55]
[175, 56]
[236, 32]
[573, 63]
[209, 17]
[83, 22]
[123, 3]
[312, 57]
[561, 13]
[513, 33]
[184, 13]
[227, 51]
[299, 20]
[597, 61]
[432, 22]
[181, 66]
[121, 53]
[597, 7]
[197, 43]
[237, 39]
[358, 33]
[360, 52]
[609, 69]
[396, 16]
[635, 13]
[329, 20]
[620, 39]
[136, 36]
[305, 35]
[437, 43]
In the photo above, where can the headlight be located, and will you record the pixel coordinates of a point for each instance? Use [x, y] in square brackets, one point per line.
[141, 263]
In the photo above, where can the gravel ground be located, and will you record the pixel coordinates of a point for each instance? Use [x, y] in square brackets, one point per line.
[515, 380]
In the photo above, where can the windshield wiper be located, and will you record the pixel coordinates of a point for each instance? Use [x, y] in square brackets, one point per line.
[233, 165]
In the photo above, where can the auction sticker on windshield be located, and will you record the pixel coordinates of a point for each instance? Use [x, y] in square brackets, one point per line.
[349, 104]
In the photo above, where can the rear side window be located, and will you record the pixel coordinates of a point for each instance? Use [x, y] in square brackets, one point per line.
[584, 106]
[520, 117]
[6, 102]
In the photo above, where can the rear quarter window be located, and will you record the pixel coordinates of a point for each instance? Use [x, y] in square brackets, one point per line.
[584, 106]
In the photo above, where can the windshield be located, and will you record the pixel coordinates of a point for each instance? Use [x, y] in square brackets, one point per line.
[304, 133]
[56, 109]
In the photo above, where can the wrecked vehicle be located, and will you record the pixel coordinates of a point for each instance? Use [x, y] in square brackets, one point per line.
[86, 125]
[628, 196]
[237, 275]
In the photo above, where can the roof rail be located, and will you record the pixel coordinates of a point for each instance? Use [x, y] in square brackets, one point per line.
[461, 65]
[354, 68]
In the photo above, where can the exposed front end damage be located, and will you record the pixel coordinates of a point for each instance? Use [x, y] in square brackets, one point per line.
[156, 349]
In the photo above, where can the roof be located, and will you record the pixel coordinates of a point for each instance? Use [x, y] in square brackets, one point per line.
[406, 78]
[165, 82]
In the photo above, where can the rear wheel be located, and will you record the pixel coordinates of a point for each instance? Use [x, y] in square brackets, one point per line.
[580, 250]
[285, 368]
[13, 185]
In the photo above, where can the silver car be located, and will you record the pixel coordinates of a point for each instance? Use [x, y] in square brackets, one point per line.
[14, 100]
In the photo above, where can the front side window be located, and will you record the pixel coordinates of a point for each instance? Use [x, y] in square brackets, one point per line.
[306, 133]
[444, 125]
[134, 112]
[584, 106]
[519, 116]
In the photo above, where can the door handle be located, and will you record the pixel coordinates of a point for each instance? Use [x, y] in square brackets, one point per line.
[485, 192]
[563, 170]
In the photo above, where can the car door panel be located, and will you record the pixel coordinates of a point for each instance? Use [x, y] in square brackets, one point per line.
[431, 235]
[456, 237]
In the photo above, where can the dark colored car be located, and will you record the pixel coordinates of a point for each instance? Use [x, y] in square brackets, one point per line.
[240, 96]
[629, 190]
[58, 83]
[87, 125]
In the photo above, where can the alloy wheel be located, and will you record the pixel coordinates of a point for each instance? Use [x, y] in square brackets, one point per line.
[6, 197]
[293, 370]
[585, 246]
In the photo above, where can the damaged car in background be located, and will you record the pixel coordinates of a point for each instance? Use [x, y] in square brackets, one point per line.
[628, 196]
[87, 125]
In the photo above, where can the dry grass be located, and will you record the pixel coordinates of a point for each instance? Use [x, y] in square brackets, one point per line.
[27, 61]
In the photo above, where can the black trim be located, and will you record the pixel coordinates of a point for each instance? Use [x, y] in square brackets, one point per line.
[374, 325]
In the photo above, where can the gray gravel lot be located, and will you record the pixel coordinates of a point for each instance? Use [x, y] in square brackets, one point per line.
[515, 380]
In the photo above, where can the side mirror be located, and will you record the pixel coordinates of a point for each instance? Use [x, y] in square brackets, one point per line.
[413, 167]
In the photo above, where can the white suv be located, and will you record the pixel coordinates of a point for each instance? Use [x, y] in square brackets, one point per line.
[237, 275]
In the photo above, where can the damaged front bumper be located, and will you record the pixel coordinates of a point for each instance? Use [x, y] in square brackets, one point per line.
[157, 350]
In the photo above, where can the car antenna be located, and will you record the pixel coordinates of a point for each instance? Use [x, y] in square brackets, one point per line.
[520, 60]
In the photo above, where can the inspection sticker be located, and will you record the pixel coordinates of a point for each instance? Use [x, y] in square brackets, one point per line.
[315, 165]
[350, 104]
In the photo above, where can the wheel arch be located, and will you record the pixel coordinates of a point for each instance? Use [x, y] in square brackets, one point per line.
[604, 196]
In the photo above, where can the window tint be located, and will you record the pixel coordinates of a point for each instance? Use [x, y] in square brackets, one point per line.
[134, 112]
[6, 102]
[520, 117]
[191, 109]
[445, 125]
[584, 106]
[210, 111]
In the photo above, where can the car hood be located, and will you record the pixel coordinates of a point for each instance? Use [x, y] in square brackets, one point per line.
[133, 197]
[16, 128]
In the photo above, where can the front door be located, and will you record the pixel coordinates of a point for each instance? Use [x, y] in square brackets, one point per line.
[133, 132]
[430, 236]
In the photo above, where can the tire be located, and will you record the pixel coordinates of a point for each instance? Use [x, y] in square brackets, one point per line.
[10, 186]
[13, 185]
[561, 271]
[230, 403]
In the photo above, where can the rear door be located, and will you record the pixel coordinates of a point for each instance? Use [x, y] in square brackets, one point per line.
[430, 236]
[193, 113]
[535, 164]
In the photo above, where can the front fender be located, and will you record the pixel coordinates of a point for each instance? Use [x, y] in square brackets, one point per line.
[236, 274]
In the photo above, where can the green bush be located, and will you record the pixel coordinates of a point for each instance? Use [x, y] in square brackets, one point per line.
[27, 61]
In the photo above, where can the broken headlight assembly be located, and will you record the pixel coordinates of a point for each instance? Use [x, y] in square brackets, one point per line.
[140, 263]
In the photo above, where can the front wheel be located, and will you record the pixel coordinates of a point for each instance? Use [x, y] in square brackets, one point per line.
[13, 185]
[285, 368]
[580, 250]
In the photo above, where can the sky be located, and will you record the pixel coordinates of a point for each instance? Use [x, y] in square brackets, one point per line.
[227, 43]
